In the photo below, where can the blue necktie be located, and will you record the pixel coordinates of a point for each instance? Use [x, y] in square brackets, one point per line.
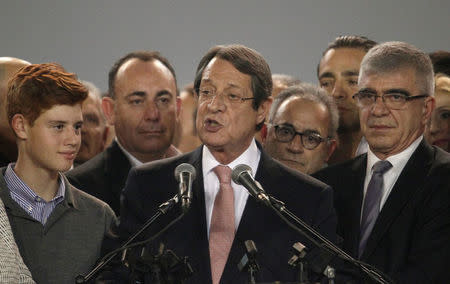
[372, 201]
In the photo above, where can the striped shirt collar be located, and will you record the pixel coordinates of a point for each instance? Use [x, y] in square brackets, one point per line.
[28, 199]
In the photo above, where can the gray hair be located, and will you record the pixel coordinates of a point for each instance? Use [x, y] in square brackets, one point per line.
[312, 93]
[394, 55]
[92, 89]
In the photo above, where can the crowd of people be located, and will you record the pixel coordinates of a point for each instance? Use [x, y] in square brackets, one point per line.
[362, 158]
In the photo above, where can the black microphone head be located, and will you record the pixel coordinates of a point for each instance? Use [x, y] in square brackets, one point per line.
[238, 170]
[185, 167]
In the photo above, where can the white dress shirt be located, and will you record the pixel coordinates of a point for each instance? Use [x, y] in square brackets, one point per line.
[250, 157]
[398, 162]
[133, 160]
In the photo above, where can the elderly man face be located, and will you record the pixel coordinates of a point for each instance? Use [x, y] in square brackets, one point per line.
[388, 128]
[94, 130]
[297, 136]
[225, 122]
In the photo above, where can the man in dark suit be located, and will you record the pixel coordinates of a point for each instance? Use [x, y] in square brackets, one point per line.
[233, 84]
[143, 106]
[396, 216]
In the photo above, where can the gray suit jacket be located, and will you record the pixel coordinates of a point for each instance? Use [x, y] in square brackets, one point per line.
[69, 243]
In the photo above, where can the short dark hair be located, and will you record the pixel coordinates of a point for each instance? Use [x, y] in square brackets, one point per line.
[38, 87]
[441, 61]
[348, 41]
[142, 55]
[247, 61]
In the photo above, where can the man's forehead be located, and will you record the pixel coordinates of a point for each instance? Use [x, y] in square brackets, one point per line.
[302, 112]
[402, 77]
[137, 65]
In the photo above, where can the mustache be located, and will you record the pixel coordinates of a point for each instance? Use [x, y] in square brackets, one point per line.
[376, 122]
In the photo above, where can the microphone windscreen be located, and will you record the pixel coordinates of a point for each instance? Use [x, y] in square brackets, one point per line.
[185, 167]
[238, 170]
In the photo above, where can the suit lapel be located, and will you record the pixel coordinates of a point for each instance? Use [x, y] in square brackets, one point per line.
[118, 165]
[408, 183]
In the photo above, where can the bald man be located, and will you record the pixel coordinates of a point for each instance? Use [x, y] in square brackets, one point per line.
[8, 149]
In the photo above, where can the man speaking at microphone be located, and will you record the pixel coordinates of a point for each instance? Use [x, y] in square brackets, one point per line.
[233, 84]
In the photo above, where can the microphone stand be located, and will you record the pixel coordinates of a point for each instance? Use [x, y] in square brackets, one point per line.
[327, 250]
[163, 208]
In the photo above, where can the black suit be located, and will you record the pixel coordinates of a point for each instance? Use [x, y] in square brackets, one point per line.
[411, 237]
[151, 184]
[103, 176]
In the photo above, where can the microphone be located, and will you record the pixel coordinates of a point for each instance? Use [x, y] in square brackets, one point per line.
[242, 174]
[185, 175]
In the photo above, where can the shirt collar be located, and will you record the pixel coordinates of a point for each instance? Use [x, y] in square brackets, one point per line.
[398, 160]
[249, 157]
[16, 185]
[133, 160]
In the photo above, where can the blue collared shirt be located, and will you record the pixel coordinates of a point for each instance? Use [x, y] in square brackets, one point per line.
[32, 203]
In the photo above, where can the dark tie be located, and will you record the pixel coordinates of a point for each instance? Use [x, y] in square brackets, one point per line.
[372, 201]
[222, 230]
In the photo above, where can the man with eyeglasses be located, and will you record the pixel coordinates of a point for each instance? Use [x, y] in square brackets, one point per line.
[233, 84]
[393, 203]
[301, 130]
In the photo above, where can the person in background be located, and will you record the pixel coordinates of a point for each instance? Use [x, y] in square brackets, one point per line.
[143, 105]
[187, 139]
[338, 74]
[301, 130]
[94, 131]
[8, 147]
[437, 131]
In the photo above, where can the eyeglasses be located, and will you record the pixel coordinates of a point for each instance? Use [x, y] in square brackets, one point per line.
[286, 133]
[391, 101]
[207, 94]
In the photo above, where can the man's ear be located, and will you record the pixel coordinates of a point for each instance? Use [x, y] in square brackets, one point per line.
[428, 108]
[263, 133]
[332, 145]
[178, 106]
[20, 125]
[263, 109]
[108, 109]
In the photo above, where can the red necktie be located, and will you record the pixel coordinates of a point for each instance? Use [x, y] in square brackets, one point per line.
[222, 230]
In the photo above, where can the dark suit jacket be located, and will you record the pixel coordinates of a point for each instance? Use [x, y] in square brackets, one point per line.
[151, 184]
[411, 237]
[103, 176]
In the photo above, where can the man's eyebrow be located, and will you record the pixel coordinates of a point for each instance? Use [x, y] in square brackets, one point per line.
[326, 75]
[398, 91]
[137, 93]
[57, 122]
[367, 91]
[349, 73]
[163, 92]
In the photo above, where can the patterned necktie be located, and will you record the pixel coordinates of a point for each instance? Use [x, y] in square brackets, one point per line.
[222, 230]
[372, 201]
